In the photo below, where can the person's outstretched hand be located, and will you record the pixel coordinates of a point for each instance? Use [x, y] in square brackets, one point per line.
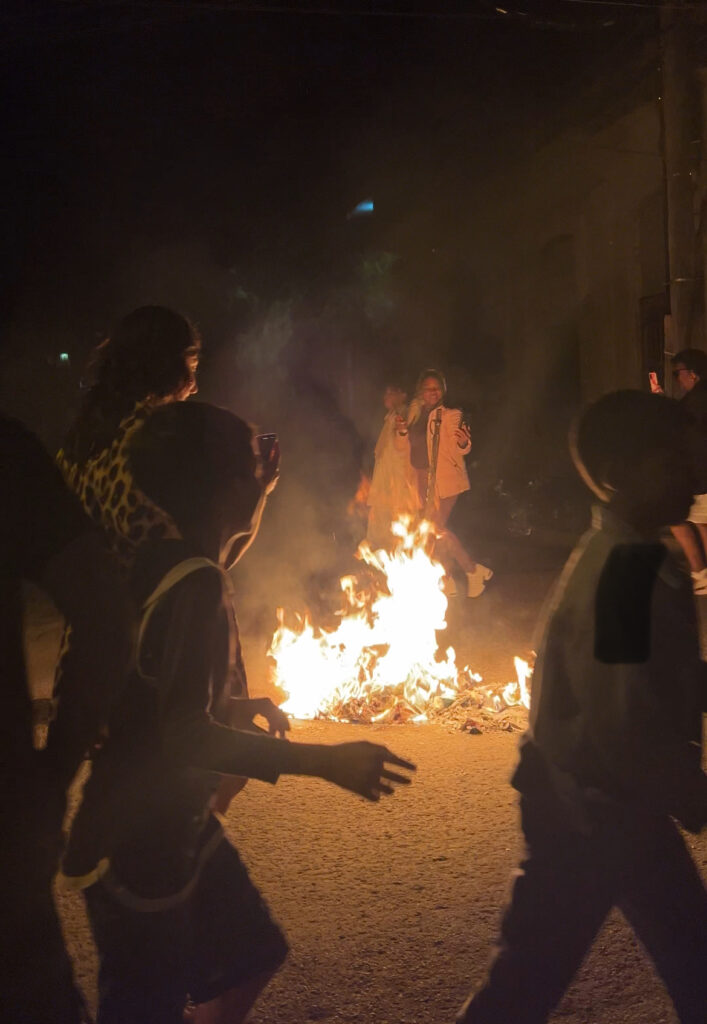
[363, 768]
[278, 722]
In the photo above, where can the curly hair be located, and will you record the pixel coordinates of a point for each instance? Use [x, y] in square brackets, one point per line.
[144, 357]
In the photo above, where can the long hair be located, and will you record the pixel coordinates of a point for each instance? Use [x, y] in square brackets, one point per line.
[416, 405]
[144, 357]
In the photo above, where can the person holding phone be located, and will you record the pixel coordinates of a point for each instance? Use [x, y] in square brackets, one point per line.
[690, 374]
[438, 442]
[689, 368]
[173, 909]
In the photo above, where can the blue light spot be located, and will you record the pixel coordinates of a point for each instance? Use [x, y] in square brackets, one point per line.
[361, 209]
[63, 357]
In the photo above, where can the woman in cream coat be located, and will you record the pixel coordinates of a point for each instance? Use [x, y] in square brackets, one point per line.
[438, 444]
[393, 486]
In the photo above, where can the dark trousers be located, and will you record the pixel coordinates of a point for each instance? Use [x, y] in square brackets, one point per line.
[563, 891]
[37, 984]
[36, 977]
[153, 953]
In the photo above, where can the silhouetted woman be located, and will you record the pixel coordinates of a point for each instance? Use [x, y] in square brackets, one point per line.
[150, 359]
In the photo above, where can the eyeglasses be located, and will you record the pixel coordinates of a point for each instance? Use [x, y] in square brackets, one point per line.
[678, 371]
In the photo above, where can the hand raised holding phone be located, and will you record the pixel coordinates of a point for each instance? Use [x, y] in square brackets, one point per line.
[269, 453]
[654, 384]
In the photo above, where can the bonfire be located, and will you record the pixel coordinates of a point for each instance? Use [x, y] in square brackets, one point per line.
[384, 661]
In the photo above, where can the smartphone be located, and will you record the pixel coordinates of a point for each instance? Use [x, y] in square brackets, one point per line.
[266, 443]
[653, 381]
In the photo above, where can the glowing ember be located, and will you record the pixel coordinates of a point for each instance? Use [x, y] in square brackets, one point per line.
[383, 660]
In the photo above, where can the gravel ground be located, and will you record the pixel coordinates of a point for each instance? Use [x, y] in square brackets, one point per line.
[391, 909]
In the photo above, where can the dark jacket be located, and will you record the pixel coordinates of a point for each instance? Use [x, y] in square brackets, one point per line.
[618, 689]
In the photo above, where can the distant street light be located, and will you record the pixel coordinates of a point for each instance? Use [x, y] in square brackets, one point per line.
[362, 209]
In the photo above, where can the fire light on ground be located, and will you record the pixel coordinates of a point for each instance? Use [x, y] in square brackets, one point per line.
[384, 662]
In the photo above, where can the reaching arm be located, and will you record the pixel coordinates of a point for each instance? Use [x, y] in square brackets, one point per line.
[192, 736]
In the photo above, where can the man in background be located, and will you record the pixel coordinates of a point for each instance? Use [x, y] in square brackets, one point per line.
[690, 374]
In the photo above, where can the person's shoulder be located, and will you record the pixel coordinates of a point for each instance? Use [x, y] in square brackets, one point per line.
[169, 566]
[29, 470]
[39, 516]
[696, 400]
[16, 437]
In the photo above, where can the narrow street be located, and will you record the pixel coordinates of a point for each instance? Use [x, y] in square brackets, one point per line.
[391, 909]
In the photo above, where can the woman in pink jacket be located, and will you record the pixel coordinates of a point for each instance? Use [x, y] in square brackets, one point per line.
[438, 445]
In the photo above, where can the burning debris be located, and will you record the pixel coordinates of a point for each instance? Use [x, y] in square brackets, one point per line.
[482, 708]
[383, 662]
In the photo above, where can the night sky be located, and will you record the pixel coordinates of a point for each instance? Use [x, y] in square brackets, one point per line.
[207, 156]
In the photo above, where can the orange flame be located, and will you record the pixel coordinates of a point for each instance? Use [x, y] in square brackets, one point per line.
[383, 660]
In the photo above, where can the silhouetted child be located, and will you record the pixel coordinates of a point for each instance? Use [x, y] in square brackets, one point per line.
[172, 908]
[613, 750]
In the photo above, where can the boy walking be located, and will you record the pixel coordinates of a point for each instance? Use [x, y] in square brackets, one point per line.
[613, 752]
[172, 907]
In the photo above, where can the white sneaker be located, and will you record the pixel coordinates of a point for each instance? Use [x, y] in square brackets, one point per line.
[477, 580]
[699, 581]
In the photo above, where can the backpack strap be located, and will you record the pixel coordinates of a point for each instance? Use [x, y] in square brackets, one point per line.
[175, 575]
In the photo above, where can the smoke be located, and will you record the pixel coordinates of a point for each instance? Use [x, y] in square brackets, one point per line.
[289, 373]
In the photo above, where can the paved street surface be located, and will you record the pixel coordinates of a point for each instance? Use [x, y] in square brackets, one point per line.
[391, 909]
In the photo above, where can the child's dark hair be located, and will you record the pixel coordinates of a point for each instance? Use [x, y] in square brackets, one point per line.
[693, 359]
[190, 457]
[618, 430]
[145, 356]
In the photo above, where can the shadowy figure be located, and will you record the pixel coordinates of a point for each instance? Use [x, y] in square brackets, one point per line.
[690, 372]
[613, 749]
[149, 360]
[172, 907]
[46, 538]
[393, 490]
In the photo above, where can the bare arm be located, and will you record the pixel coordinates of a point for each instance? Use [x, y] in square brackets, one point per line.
[192, 736]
